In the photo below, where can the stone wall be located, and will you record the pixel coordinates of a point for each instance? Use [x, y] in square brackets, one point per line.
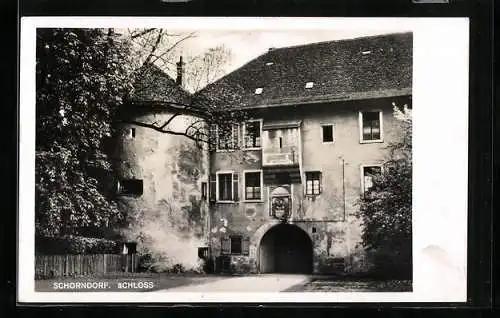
[169, 218]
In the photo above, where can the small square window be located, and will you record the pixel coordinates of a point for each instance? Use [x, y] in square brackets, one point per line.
[327, 133]
[132, 187]
[258, 91]
[309, 84]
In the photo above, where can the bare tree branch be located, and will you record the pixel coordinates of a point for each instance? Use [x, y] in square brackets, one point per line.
[142, 33]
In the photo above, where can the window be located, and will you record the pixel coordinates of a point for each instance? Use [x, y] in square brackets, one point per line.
[309, 84]
[253, 185]
[132, 187]
[313, 183]
[235, 245]
[227, 137]
[258, 91]
[204, 191]
[327, 133]
[370, 126]
[252, 134]
[227, 184]
[212, 191]
[368, 172]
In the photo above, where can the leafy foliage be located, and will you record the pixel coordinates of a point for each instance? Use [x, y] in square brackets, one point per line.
[75, 245]
[386, 208]
[82, 76]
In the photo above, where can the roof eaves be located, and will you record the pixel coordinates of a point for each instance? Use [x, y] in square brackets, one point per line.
[326, 99]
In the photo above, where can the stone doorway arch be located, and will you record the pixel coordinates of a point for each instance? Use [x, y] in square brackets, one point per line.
[285, 248]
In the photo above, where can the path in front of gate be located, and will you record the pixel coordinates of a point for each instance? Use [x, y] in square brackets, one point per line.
[255, 283]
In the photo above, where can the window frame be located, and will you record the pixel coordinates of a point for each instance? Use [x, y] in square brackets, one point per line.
[261, 186]
[362, 172]
[119, 188]
[231, 237]
[381, 121]
[243, 134]
[320, 183]
[236, 128]
[217, 185]
[322, 133]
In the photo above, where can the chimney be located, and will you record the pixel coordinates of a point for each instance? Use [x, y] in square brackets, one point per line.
[180, 80]
[271, 49]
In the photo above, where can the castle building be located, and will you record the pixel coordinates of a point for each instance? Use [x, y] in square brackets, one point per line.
[279, 191]
[283, 194]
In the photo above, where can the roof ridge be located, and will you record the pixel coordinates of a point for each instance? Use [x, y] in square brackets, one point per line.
[339, 40]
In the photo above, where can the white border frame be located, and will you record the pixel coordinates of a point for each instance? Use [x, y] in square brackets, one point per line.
[381, 119]
[244, 199]
[217, 173]
[244, 127]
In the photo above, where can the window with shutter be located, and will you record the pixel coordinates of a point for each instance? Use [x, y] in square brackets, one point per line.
[245, 246]
[212, 191]
[212, 138]
[235, 187]
[225, 246]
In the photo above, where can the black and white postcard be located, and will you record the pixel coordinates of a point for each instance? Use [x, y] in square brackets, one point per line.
[176, 159]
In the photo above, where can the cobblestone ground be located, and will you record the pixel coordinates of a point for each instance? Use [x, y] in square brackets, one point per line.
[343, 285]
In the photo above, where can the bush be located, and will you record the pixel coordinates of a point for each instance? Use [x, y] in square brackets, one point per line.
[75, 245]
[386, 209]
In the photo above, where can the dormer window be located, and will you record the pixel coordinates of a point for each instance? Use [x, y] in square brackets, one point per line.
[258, 91]
[309, 84]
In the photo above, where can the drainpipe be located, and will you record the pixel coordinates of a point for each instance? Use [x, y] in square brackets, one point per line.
[343, 187]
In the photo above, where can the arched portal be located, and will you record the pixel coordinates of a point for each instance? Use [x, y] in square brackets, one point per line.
[285, 248]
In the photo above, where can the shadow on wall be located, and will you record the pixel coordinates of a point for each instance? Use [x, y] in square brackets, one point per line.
[167, 238]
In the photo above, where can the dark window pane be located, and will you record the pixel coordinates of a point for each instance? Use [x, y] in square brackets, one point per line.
[131, 187]
[236, 245]
[327, 133]
[371, 126]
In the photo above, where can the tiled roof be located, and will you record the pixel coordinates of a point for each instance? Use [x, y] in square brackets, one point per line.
[367, 67]
[153, 85]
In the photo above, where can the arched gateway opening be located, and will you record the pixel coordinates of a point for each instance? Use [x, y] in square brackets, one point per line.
[285, 248]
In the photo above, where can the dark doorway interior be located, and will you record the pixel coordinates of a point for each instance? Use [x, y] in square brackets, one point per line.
[285, 249]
